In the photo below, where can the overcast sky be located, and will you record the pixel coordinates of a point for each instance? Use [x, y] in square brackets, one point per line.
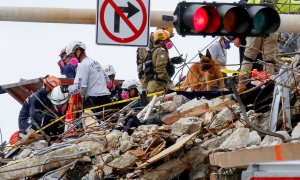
[30, 50]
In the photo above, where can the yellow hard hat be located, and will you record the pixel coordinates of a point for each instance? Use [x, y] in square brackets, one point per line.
[169, 29]
[161, 34]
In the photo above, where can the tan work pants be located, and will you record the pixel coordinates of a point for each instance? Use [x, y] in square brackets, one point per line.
[268, 45]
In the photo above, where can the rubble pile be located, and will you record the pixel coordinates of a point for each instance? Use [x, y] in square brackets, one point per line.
[191, 130]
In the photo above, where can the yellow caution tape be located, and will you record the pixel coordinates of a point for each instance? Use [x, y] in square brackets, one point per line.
[229, 71]
[132, 99]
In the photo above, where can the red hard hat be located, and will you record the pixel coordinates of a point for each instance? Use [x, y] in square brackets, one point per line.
[51, 82]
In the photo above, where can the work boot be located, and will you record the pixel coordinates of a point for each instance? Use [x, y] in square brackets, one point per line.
[241, 88]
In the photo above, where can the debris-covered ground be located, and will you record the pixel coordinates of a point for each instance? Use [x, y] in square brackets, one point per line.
[191, 130]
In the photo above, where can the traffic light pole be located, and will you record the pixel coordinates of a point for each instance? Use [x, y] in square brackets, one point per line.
[68, 16]
[289, 22]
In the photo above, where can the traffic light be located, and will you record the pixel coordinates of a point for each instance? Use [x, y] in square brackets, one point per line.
[225, 19]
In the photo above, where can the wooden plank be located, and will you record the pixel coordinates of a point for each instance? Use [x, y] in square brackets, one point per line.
[245, 157]
[196, 111]
[178, 145]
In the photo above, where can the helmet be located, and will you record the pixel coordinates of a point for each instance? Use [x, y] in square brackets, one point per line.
[109, 69]
[51, 82]
[169, 29]
[62, 52]
[74, 46]
[57, 97]
[130, 84]
[161, 35]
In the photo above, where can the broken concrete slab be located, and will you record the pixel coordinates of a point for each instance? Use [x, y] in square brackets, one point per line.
[186, 126]
[122, 163]
[238, 139]
[39, 164]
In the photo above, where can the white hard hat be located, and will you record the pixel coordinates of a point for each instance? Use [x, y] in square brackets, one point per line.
[72, 47]
[57, 97]
[131, 83]
[109, 69]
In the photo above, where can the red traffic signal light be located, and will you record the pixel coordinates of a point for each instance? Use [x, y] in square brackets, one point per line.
[218, 19]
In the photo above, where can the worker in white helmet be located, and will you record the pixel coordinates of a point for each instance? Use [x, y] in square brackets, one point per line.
[113, 85]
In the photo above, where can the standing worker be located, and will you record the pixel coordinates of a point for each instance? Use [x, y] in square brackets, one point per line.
[266, 44]
[218, 51]
[162, 66]
[90, 78]
[67, 64]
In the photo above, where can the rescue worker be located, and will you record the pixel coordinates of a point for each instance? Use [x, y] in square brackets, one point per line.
[131, 88]
[59, 102]
[218, 51]
[267, 44]
[67, 64]
[35, 106]
[113, 85]
[90, 79]
[61, 63]
[163, 67]
[142, 54]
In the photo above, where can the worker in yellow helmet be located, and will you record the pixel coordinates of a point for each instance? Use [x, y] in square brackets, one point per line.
[159, 67]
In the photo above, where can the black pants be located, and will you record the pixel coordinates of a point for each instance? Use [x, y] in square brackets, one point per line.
[93, 101]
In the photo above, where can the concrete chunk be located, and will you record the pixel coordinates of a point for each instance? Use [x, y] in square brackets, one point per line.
[125, 161]
[238, 139]
[296, 132]
[186, 126]
[168, 106]
[255, 139]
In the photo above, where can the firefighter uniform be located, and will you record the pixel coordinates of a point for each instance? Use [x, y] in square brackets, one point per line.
[161, 77]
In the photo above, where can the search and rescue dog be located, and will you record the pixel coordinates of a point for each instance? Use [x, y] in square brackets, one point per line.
[204, 71]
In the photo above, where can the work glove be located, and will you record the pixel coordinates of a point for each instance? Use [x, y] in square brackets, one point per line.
[64, 88]
[177, 59]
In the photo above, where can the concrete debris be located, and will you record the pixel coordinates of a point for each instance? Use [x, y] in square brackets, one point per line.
[191, 104]
[271, 140]
[238, 139]
[186, 126]
[296, 132]
[255, 139]
[125, 145]
[179, 100]
[179, 148]
[122, 163]
[168, 106]
[148, 128]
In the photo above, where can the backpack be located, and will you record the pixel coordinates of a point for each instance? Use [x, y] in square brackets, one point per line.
[144, 63]
[147, 67]
[141, 54]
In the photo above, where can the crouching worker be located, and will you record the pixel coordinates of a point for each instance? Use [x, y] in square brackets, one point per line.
[36, 105]
[59, 107]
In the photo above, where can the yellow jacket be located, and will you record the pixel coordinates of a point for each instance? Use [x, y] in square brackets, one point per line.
[282, 6]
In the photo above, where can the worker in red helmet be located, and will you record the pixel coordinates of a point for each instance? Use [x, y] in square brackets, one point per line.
[35, 106]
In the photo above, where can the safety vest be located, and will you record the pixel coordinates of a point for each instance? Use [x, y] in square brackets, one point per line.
[282, 6]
